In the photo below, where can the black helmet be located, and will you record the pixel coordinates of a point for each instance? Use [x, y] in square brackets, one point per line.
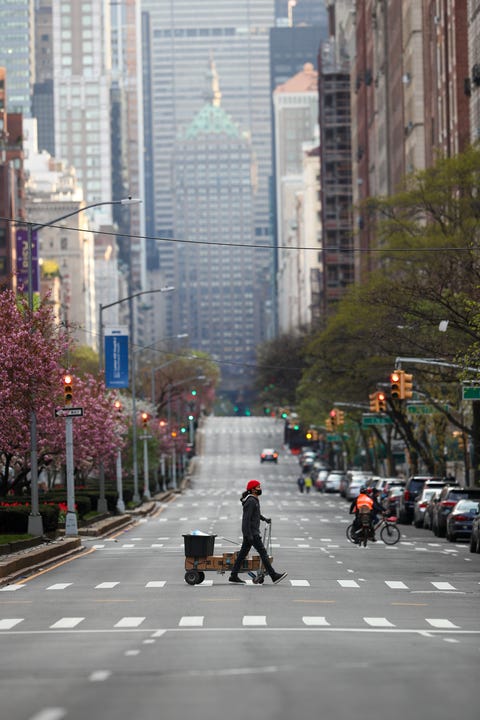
[363, 489]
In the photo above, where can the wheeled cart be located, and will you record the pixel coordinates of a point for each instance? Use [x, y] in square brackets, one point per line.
[199, 559]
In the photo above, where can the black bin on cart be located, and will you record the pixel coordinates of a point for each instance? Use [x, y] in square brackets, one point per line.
[199, 545]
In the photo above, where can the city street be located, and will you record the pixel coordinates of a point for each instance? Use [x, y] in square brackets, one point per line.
[352, 632]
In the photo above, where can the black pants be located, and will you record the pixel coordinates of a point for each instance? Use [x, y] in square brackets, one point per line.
[245, 549]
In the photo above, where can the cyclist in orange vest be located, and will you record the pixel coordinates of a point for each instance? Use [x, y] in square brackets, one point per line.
[361, 504]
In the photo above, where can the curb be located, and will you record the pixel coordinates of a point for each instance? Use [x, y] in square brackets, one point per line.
[29, 560]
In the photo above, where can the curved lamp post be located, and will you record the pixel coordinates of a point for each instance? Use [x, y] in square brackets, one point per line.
[35, 524]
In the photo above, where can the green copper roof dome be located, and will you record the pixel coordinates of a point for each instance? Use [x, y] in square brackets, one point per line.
[212, 119]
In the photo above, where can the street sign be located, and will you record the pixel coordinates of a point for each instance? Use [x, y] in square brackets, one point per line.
[334, 437]
[471, 393]
[376, 420]
[420, 409]
[69, 412]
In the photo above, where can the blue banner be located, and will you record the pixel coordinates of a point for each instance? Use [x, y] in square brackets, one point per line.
[116, 357]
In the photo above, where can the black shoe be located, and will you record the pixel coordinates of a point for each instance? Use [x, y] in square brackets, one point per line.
[278, 577]
[235, 579]
[373, 539]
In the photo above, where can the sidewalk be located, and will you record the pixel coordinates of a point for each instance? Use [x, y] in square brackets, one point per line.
[25, 559]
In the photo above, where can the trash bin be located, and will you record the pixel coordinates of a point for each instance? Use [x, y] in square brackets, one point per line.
[199, 545]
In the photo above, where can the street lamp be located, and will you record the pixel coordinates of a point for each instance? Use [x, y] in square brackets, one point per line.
[35, 524]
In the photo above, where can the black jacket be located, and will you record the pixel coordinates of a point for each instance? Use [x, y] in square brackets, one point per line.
[251, 516]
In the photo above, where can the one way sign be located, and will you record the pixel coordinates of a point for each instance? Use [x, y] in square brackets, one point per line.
[69, 412]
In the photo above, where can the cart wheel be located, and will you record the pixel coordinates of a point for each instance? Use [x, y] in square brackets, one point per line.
[258, 580]
[201, 577]
[192, 577]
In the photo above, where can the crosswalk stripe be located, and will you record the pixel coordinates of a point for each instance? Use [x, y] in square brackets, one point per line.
[378, 622]
[59, 586]
[299, 583]
[348, 583]
[155, 584]
[440, 623]
[106, 585]
[396, 584]
[443, 586]
[9, 623]
[191, 621]
[129, 622]
[12, 588]
[67, 622]
[254, 620]
[314, 620]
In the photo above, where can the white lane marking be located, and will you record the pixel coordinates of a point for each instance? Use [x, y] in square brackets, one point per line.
[440, 623]
[132, 652]
[99, 675]
[156, 584]
[11, 588]
[59, 586]
[250, 620]
[129, 622]
[156, 545]
[98, 547]
[205, 583]
[158, 633]
[378, 622]
[67, 622]
[396, 584]
[127, 545]
[315, 620]
[299, 583]
[451, 640]
[348, 583]
[106, 585]
[443, 586]
[303, 546]
[8, 623]
[52, 713]
[191, 621]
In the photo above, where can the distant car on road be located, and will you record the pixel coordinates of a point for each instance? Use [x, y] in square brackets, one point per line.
[268, 455]
[332, 483]
[460, 520]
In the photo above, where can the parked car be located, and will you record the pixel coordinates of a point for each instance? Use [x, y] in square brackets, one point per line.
[447, 500]
[269, 455]
[332, 483]
[430, 507]
[353, 489]
[413, 488]
[320, 479]
[475, 535]
[390, 502]
[460, 520]
[306, 460]
[421, 503]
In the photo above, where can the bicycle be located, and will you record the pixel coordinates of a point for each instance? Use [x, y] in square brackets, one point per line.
[389, 532]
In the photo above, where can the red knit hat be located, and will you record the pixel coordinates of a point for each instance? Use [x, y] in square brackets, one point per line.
[253, 484]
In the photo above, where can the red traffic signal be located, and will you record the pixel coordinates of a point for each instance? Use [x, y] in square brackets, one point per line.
[67, 389]
[145, 418]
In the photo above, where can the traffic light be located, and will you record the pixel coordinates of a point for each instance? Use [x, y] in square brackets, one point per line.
[396, 384]
[308, 435]
[144, 420]
[340, 417]
[333, 418]
[284, 415]
[67, 390]
[374, 404]
[194, 392]
[328, 425]
[406, 386]
[183, 429]
[162, 424]
[117, 405]
[381, 401]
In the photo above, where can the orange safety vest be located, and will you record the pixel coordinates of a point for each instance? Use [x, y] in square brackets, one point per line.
[364, 501]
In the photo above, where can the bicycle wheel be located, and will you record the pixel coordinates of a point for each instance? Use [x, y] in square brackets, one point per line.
[348, 532]
[390, 534]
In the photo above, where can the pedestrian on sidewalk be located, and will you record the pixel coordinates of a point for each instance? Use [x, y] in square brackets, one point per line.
[251, 534]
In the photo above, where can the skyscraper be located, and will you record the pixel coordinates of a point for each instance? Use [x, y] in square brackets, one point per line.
[212, 189]
[17, 53]
[182, 37]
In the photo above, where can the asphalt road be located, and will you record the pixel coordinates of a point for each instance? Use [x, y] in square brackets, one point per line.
[352, 632]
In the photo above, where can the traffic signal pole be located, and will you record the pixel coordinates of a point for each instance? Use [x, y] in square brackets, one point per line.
[71, 527]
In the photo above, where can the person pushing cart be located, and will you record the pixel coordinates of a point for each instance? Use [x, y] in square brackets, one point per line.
[251, 534]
